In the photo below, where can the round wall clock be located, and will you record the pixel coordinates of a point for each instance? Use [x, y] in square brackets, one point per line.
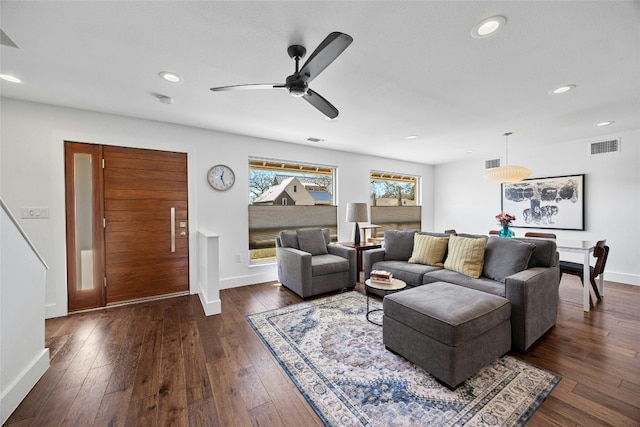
[221, 177]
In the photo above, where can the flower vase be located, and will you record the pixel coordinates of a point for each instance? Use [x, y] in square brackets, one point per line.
[505, 231]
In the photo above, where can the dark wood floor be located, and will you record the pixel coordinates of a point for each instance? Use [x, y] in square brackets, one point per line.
[164, 363]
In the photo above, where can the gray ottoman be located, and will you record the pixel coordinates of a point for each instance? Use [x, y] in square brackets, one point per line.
[449, 331]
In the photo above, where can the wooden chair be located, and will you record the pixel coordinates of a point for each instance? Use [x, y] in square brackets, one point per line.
[450, 231]
[542, 235]
[601, 253]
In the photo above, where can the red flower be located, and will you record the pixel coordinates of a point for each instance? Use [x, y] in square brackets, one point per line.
[505, 218]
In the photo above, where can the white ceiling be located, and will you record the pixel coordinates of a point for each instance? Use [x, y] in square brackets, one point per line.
[413, 68]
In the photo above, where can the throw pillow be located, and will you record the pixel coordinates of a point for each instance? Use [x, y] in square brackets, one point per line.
[434, 234]
[289, 239]
[466, 255]
[472, 236]
[398, 244]
[428, 249]
[312, 240]
[544, 254]
[504, 257]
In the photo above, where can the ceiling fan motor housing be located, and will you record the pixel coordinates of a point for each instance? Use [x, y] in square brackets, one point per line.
[297, 87]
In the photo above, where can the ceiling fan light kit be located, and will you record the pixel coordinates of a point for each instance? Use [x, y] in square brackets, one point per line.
[507, 173]
[298, 83]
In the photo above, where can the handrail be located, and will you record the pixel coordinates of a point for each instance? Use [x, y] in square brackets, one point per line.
[23, 233]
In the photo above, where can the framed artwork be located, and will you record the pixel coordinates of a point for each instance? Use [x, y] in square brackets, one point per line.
[556, 202]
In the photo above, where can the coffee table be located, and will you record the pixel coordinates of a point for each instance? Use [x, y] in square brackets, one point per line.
[395, 286]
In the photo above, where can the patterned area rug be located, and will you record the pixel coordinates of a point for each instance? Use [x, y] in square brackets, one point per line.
[337, 360]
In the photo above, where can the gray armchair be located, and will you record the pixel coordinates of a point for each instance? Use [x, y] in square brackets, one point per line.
[309, 265]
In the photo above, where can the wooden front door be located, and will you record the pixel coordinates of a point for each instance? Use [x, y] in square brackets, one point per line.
[146, 223]
[127, 229]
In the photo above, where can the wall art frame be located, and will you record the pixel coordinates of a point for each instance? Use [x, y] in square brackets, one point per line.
[556, 202]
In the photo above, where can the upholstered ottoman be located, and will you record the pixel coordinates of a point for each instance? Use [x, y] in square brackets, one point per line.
[448, 330]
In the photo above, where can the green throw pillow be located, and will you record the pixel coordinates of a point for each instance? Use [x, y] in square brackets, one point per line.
[466, 255]
[428, 250]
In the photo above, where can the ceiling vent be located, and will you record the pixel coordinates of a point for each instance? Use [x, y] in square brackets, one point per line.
[490, 164]
[609, 146]
[313, 139]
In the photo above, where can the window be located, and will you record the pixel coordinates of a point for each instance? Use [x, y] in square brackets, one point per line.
[287, 196]
[395, 201]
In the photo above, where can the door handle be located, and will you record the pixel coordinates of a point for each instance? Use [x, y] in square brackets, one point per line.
[173, 229]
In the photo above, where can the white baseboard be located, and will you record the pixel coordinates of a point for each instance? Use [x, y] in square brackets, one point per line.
[234, 282]
[18, 389]
[210, 307]
[627, 279]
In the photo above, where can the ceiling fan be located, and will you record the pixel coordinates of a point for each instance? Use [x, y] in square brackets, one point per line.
[298, 83]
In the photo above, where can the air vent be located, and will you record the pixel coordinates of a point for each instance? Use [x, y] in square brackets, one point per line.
[490, 164]
[313, 139]
[610, 146]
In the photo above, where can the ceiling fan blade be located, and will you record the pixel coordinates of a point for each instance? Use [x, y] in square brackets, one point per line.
[330, 48]
[321, 104]
[249, 87]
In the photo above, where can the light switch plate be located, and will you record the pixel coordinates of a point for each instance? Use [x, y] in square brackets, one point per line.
[34, 212]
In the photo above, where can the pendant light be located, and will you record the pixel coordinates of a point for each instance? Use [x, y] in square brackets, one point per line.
[507, 173]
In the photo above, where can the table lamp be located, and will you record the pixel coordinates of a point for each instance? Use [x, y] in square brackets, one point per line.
[357, 212]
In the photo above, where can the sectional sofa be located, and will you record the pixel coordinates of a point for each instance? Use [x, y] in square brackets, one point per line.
[525, 271]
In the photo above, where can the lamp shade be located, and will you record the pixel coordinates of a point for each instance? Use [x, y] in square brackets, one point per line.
[509, 173]
[357, 212]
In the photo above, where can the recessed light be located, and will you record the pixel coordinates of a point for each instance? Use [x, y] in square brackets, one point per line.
[488, 27]
[562, 89]
[607, 123]
[10, 78]
[170, 77]
[469, 151]
[411, 137]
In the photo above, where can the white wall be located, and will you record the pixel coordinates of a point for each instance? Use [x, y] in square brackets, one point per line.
[23, 358]
[32, 174]
[467, 202]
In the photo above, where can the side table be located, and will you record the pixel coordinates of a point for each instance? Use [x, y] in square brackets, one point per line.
[359, 249]
[395, 286]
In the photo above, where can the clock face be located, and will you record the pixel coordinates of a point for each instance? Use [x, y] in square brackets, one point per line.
[221, 177]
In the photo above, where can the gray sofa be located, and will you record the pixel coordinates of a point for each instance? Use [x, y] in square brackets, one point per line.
[309, 264]
[525, 271]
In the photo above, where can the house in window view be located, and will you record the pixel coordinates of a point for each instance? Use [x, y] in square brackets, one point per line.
[294, 191]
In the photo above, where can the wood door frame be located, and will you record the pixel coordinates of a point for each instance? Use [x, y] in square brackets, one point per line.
[85, 299]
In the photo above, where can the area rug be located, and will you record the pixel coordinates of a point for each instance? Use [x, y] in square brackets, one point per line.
[338, 362]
